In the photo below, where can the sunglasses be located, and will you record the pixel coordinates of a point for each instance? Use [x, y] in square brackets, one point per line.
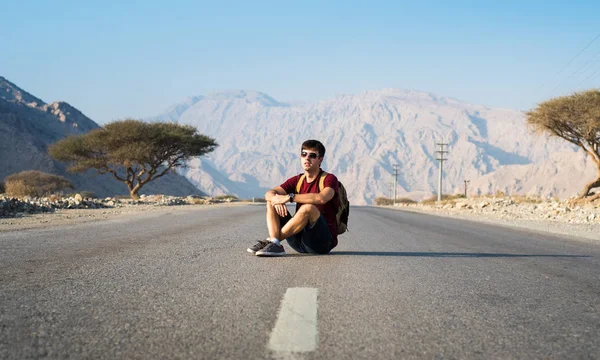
[311, 155]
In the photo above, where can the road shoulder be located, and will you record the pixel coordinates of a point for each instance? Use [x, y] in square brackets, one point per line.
[585, 232]
[68, 217]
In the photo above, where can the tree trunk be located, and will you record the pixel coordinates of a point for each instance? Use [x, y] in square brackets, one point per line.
[134, 194]
[590, 186]
[133, 190]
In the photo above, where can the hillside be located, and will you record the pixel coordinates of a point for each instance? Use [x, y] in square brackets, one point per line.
[366, 134]
[28, 125]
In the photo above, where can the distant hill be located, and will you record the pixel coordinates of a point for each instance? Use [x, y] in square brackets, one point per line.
[366, 134]
[28, 125]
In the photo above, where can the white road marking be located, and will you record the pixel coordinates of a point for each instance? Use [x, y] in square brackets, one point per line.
[296, 327]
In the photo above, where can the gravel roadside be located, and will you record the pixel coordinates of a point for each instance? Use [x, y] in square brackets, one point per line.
[513, 217]
[65, 217]
[589, 232]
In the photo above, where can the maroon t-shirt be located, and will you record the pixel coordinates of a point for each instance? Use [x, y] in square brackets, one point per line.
[328, 209]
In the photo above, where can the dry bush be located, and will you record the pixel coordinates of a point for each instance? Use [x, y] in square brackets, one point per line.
[226, 197]
[406, 201]
[195, 200]
[524, 199]
[2, 188]
[35, 183]
[18, 188]
[446, 198]
[383, 201]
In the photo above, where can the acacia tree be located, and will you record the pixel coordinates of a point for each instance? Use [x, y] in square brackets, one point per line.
[575, 118]
[133, 151]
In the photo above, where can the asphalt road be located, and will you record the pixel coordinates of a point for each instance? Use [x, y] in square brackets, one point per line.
[399, 285]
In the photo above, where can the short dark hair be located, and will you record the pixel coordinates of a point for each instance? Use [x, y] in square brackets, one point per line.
[314, 144]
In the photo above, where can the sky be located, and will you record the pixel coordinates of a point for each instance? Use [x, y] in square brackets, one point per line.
[117, 59]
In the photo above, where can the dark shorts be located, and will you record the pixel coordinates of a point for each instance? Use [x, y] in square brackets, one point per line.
[313, 240]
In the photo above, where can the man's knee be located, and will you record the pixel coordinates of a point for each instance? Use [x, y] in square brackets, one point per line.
[310, 211]
[270, 206]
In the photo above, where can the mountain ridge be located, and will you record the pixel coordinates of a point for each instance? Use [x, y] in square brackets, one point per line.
[28, 125]
[366, 134]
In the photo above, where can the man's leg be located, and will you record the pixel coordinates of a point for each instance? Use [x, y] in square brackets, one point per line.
[272, 246]
[317, 239]
[308, 214]
[273, 222]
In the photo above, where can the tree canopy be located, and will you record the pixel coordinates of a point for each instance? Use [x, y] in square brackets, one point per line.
[576, 119]
[133, 151]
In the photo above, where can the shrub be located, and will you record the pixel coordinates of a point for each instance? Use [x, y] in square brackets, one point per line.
[197, 200]
[445, 198]
[226, 198]
[383, 201]
[387, 201]
[18, 188]
[406, 201]
[35, 183]
[526, 199]
[2, 188]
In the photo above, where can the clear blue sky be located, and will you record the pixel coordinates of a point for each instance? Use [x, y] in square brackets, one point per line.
[113, 59]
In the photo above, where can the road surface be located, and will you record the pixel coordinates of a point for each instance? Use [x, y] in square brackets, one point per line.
[180, 285]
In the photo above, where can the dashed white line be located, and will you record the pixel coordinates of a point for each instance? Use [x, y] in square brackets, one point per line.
[296, 328]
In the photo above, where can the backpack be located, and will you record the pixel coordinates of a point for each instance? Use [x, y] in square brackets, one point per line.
[343, 209]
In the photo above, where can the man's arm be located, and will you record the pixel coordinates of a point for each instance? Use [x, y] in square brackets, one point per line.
[275, 191]
[317, 199]
[274, 196]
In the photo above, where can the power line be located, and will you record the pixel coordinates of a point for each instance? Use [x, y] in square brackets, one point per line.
[573, 59]
[575, 73]
[579, 53]
[593, 76]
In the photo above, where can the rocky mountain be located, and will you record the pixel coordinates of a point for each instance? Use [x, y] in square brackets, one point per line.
[366, 134]
[28, 125]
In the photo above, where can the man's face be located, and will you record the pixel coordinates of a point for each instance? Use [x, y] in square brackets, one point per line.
[311, 159]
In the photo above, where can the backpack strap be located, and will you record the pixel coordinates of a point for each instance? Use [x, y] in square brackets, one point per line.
[299, 183]
[322, 181]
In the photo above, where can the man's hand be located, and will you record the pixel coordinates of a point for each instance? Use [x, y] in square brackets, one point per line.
[279, 199]
[281, 209]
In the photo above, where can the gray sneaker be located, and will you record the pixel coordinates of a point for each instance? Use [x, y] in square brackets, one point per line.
[258, 246]
[271, 249]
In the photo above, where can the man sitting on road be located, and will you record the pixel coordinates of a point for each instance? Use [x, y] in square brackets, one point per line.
[313, 228]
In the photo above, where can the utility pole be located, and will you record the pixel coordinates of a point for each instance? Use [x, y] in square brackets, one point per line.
[466, 182]
[395, 181]
[441, 159]
[390, 194]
